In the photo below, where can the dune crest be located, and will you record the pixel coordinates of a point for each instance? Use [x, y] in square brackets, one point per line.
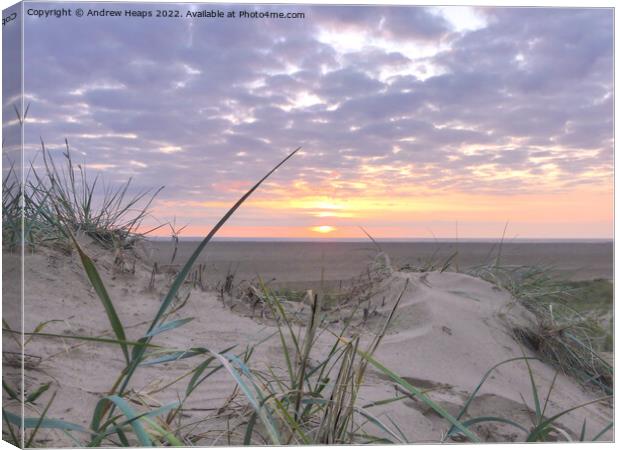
[449, 329]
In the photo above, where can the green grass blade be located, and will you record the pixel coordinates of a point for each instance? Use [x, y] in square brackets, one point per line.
[534, 392]
[32, 422]
[375, 421]
[101, 340]
[180, 278]
[255, 401]
[11, 393]
[41, 326]
[102, 293]
[195, 381]
[174, 356]
[582, 435]
[168, 326]
[143, 437]
[39, 421]
[482, 381]
[293, 424]
[385, 401]
[448, 261]
[183, 273]
[542, 428]
[603, 431]
[402, 434]
[15, 441]
[419, 394]
[285, 351]
[247, 439]
[37, 393]
[123, 437]
[118, 428]
[555, 377]
[167, 435]
[370, 440]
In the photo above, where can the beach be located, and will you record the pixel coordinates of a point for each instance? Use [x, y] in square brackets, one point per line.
[303, 265]
[441, 331]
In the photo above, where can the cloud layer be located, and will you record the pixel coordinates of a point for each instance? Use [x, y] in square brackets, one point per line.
[387, 102]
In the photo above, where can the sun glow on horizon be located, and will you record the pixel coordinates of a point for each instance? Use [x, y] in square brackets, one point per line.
[400, 213]
[323, 229]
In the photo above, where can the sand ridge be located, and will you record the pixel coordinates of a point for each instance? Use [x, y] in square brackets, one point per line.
[465, 328]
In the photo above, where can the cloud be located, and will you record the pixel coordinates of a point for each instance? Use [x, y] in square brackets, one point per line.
[395, 23]
[528, 96]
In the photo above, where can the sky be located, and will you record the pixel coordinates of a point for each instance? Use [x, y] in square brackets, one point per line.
[414, 122]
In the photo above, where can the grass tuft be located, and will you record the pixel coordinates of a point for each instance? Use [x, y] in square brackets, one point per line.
[563, 335]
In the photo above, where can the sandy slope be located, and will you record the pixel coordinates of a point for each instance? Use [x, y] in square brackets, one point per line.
[449, 330]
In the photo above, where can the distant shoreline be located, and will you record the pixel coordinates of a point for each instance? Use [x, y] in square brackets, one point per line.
[396, 240]
[303, 262]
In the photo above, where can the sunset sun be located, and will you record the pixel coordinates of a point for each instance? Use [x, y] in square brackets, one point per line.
[323, 229]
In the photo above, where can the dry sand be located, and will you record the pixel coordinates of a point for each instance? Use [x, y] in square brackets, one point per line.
[450, 328]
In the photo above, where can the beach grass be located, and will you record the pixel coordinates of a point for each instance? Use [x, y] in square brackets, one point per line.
[573, 319]
[72, 202]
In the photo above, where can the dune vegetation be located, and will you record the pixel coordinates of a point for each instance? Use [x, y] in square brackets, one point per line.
[313, 398]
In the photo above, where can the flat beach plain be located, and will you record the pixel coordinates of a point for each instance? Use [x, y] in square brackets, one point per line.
[303, 264]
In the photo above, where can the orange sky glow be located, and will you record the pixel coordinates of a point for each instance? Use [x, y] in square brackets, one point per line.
[301, 212]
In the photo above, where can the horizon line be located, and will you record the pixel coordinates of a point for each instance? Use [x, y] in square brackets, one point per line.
[387, 240]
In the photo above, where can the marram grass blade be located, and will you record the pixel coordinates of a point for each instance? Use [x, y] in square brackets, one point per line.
[419, 394]
[101, 340]
[145, 417]
[176, 285]
[375, 421]
[603, 431]
[165, 435]
[31, 398]
[141, 434]
[31, 422]
[252, 398]
[482, 381]
[102, 293]
[195, 381]
[168, 326]
[40, 420]
[537, 432]
[183, 273]
[13, 435]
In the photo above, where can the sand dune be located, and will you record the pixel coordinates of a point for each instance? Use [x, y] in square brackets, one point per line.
[449, 329]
